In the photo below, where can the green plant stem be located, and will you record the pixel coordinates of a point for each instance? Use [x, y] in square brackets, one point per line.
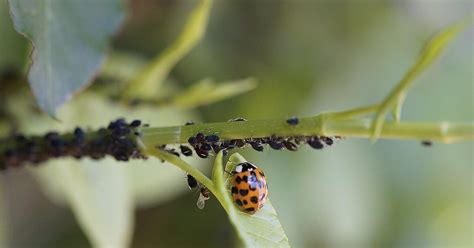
[321, 125]
[151, 150]
[217, 172]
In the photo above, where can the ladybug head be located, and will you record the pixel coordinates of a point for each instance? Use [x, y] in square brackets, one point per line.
[246, 166]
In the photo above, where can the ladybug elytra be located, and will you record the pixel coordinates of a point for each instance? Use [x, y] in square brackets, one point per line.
[248, 187]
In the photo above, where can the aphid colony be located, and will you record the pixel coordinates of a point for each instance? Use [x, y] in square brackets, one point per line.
[203, 145]
[117, 140]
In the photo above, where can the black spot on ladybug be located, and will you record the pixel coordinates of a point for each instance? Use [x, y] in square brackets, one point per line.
[253, 186]
[246, 202]
[254, 199]
[250, 209]
[234, 190]
[293, 121]
[252, 173]
[244, 192]
[238, 180]
[245, 178]
[239, 202]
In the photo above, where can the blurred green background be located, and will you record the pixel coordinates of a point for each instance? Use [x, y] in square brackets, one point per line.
[308, 56]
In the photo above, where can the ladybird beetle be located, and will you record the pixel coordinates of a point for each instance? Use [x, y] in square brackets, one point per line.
[249, 187]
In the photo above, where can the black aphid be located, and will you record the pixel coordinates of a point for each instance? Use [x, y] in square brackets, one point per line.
[206, 147]
[135, 123]
[192, 182]
[293, 121]
[257, 146]
[426, 143]
[290, 145]
[237, 142]
[200, 137]
[315, 142]
[237, 119]
[186, 151]
[212, 138]
[202, 154]
[192, 140]
[327, 140]
[79, 136]
[275, 145]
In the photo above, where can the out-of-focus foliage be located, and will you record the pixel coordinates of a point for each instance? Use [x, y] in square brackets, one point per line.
[12, 46]
[308, 56]
[69, 39]
[103, 194]
[207, 91]
[429, 54]
[147, 82]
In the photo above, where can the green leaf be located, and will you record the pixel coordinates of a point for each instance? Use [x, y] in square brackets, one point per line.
[70, 39]
[263, 229]
[13, 47]
[207, 91]
[149, 80]
[99, 197]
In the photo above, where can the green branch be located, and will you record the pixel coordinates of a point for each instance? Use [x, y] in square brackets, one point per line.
[428, 55]
[321, 125]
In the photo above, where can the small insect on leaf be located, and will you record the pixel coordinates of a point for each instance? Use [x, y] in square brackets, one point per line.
[203, 197]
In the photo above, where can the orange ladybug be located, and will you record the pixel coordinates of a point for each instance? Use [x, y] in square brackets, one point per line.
[249, 187]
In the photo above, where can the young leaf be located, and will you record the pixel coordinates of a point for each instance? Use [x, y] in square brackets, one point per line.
[13, 47]
[70, 39]
[263, 229]
[148, 81]
[429, 54]
[207, 91]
